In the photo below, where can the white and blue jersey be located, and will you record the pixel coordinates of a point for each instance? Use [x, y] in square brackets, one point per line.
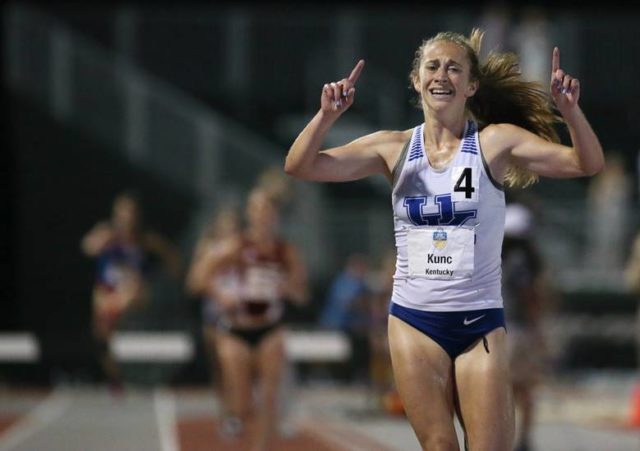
[448, 227]
[117, 261]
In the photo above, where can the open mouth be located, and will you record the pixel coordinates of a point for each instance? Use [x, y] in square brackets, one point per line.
[440, 92]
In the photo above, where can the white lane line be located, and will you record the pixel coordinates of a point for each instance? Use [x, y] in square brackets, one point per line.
[37, 419]
[165, 408]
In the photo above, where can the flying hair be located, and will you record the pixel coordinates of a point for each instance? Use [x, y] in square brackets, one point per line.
[503, 96]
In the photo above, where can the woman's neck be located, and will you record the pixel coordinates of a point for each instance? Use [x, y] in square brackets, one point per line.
[442, 128]
[442, 138]
[260, 235]
[126, 234]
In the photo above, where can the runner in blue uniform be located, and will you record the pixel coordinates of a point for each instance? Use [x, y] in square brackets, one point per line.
[122, 249]
[484, 127]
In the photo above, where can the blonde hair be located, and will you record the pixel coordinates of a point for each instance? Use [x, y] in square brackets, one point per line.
[503, 96]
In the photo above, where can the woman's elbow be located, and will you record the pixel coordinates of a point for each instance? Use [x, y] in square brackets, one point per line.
[290, 168]
[297, 171]
[594, 168]
[293, 168]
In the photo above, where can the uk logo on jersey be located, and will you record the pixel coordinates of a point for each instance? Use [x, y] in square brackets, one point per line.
[439, 239]
[446, 213]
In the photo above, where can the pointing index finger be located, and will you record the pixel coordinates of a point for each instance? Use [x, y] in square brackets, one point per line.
[555, 60]
[355, 73]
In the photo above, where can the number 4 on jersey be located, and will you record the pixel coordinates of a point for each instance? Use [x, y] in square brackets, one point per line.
[465, 184]
[465, 181]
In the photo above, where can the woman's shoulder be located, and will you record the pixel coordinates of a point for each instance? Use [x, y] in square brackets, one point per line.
[223, 249]
[498, 130]
[234, 241]
[499, 136]
[389, 144]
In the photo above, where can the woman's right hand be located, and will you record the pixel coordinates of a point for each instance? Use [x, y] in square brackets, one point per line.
[337, 97]
[97, 239]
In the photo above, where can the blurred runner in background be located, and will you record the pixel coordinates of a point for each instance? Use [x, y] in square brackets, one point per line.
[123, 248]
[224, 225]
[525, 295]
[249, 334]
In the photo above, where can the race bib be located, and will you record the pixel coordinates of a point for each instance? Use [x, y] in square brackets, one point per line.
[441, 252]
[262, 283]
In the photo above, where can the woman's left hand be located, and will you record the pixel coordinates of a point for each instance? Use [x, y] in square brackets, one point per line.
[565, 90]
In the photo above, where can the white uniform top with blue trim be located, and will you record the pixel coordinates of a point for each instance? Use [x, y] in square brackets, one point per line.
[449, 227]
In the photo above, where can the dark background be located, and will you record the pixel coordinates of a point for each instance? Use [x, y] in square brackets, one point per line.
[58, 181]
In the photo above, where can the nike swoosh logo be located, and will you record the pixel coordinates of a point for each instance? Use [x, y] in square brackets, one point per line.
[466, 321]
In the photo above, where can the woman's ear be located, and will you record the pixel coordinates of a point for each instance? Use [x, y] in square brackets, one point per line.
[472, 88]
[415, 80]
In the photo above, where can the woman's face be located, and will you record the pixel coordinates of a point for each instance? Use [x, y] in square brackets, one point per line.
[125, 213]
[261, 212]
[443, 77]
